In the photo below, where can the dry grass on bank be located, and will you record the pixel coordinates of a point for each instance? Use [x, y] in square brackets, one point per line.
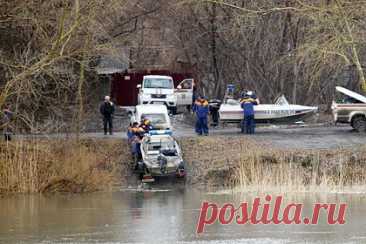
[28, 166]
[39, 165]
[240, 162]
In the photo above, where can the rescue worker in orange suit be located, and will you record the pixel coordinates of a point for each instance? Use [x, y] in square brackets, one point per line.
[135, 141]
[247, 104]
[201, 109]
[146, 125]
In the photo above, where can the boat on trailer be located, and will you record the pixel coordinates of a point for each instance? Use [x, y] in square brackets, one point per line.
[279, 112]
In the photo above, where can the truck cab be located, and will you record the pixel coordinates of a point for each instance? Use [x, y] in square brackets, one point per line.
[350, 108]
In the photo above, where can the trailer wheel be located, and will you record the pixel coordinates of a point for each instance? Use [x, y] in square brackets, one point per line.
[359, 123]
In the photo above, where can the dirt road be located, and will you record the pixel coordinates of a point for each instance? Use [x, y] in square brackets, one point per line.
[310, 137]
[306, 137]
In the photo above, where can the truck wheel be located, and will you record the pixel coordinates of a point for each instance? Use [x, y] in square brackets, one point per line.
[359, 124]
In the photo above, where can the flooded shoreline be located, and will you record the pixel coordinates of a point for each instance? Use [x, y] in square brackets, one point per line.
[161, 216]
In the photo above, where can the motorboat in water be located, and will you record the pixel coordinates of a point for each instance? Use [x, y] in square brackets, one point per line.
[279, 112]
[160, 156]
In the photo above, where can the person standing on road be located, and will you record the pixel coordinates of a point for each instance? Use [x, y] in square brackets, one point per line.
[214, 106]
[202, 110]
[6, 117]
[107, 111]
[194, 95]
[247, 104]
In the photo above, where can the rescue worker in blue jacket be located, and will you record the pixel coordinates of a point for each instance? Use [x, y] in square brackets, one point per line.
[131, 131]
[135, 141]
[201, 109]
[247, 104]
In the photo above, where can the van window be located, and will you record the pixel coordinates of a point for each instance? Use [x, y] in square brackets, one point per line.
[155, 118]
[159, 83]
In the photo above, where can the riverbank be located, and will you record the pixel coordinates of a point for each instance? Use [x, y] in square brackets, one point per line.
[219, 162]
[60, 165]
[246, 165]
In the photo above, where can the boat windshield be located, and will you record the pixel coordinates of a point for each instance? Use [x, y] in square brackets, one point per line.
[281, 101]
[161, 145]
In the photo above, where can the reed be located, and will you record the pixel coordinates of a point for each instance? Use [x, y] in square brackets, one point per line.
[301, 171]
[244, 165]
[39, 165]
[66, 165]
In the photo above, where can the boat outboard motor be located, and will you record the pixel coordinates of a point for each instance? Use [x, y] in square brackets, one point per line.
[181, 171]
[163, 161]
[229, 93]
[214, 106]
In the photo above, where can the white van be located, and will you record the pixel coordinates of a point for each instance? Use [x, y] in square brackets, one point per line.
[157, 114]
[159, 89]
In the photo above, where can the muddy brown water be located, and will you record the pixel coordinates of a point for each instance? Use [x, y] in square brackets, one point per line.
[163, 215]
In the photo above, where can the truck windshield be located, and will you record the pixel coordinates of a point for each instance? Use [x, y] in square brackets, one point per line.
[155, 118]
[158, 83]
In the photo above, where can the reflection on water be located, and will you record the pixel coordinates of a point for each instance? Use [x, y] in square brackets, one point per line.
[160, 217]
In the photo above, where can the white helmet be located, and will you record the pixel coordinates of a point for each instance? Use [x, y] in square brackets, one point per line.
[107, 98]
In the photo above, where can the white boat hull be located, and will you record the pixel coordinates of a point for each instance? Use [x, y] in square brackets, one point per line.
[267, 113]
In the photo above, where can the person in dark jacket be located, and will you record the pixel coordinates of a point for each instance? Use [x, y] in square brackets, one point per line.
[201, 109]
[214, 106]
[194, 96]
[5, 119]
[107, 111]
[248, 124]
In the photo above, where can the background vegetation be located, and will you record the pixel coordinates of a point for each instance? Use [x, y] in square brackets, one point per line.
[301, 48]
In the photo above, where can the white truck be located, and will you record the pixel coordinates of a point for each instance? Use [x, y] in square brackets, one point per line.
[158, 89]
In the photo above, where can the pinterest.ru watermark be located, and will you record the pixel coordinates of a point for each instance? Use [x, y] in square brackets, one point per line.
[258, 212]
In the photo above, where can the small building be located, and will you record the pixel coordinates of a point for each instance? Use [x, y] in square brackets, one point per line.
[119, 79]
[124, 90]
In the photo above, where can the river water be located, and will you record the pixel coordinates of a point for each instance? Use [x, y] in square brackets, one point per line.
[162, 216]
